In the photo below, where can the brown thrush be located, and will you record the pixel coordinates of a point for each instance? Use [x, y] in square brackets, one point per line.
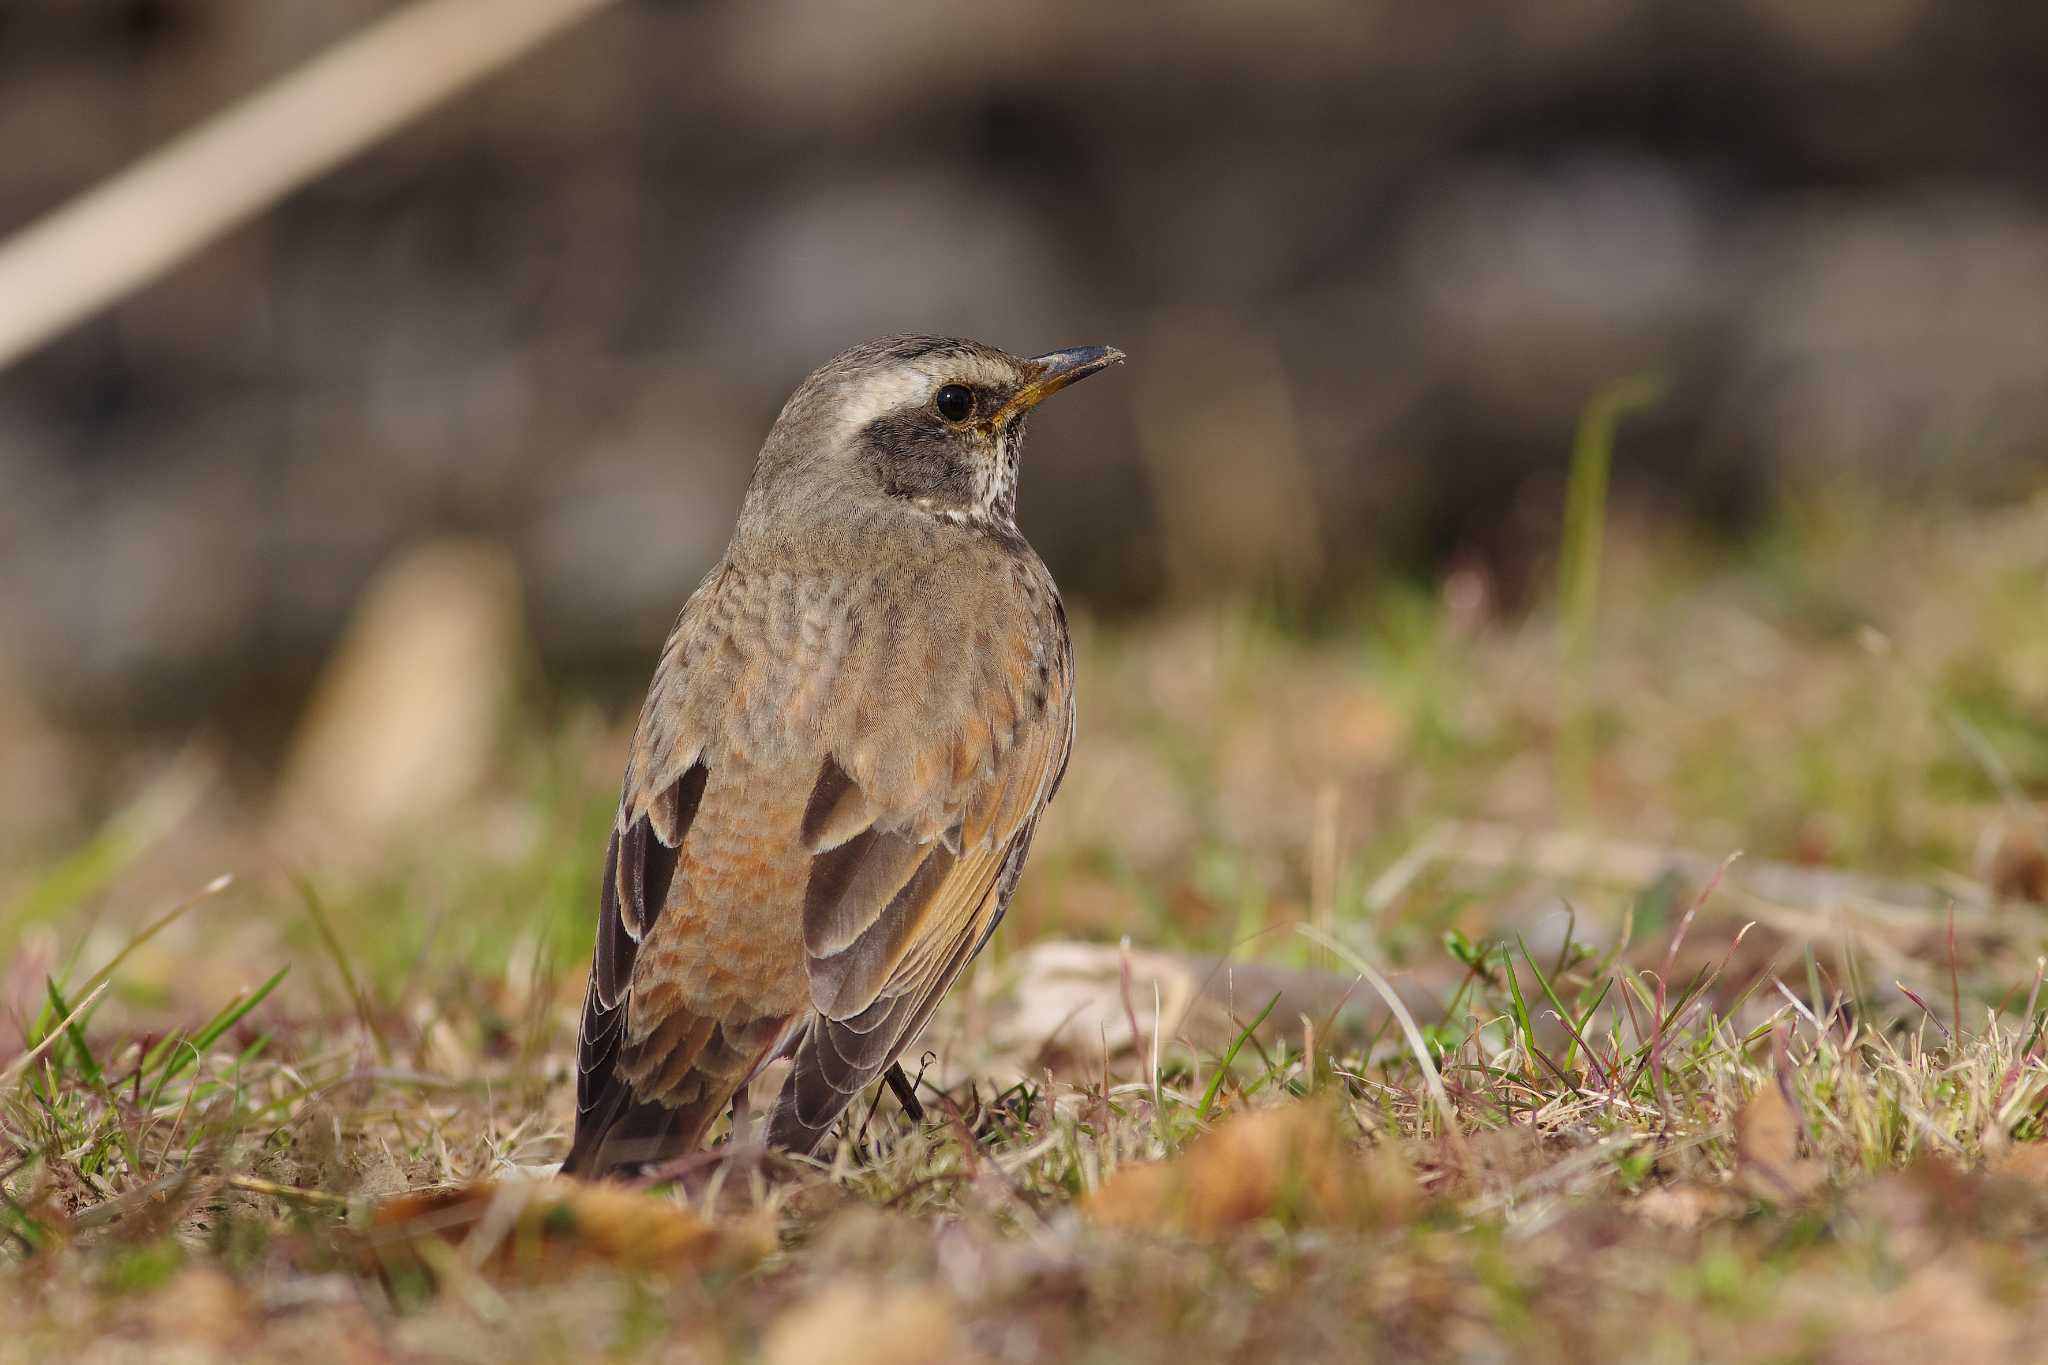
[853, 728]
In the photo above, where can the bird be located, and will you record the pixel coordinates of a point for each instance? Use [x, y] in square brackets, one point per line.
[850, 736]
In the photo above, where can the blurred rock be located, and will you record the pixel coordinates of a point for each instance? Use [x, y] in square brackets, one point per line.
[1065, 1004]
[408, 716]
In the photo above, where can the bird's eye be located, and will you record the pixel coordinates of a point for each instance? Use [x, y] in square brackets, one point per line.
[955, 402]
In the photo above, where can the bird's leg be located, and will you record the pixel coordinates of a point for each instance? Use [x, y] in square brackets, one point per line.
[905, 1092]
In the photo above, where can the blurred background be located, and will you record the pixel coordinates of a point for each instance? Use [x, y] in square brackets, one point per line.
[467, 418]
[1565, 444]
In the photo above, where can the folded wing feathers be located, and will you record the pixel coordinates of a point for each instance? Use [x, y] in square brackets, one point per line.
[874, 963]
[836, 810]
[836, 1059]
[852, 885]
[615, 943]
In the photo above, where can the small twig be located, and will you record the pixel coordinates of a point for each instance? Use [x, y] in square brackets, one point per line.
[317, 912]
[1390, 884]
[1670, 962]
[1130, 1010]
[2033, 997]
[1819, 1030]
[121, 1205]
[1955, 985]
[250, 1184]
[158, 925]
[1158, 1028]
[1914, 997]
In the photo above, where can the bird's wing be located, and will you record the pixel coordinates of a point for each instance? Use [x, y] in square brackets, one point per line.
[664, 784]
[835, 1059]
[916, 848]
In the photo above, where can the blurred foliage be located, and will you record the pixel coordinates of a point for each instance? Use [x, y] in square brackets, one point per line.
[1371, 262]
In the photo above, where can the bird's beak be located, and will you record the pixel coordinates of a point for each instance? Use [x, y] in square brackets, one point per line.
[1056, 370]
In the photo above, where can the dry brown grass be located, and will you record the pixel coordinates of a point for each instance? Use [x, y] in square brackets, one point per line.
[1650, 1108]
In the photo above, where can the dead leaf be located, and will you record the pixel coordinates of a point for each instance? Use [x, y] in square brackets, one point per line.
[1684, 1207]
[202, 1306]
[2026, 1161]
[2019, 869]
[1943, 1312]
[1287, 1163]
[1767, 1155]
[851, 1323]
[531, 1230]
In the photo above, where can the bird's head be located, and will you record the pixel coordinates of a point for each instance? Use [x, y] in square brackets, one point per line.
[934, 423]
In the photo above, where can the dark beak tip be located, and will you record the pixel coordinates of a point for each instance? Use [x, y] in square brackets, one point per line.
[1077, 361]
[1056, 370]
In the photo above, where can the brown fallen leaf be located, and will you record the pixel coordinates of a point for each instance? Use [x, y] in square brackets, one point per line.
[1684, 1207]
[531, 1230]
[1947, 1311]
[1767, 1155]
[202, 1307]
[1287, 1163]
[2019, 869]
[852, 1323]
[2026, 1161]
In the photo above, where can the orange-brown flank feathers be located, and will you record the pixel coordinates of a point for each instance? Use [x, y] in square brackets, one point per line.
[850, 735]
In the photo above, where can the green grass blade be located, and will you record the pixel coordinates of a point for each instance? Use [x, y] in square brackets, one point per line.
[1520, 1008]
[317, 912]
[1578, 587]
[180, 1052]
[1229, 1056]
[119, 842]
[74, 1032]
[1564, 1015]
[235, 1011]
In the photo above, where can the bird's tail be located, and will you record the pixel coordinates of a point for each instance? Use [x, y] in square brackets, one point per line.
[625, 1135]
[642, 1103]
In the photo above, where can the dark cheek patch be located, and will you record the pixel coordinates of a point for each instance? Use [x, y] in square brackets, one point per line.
[918, 460]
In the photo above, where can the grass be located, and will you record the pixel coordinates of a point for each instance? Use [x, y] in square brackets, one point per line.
[1585, 1083]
